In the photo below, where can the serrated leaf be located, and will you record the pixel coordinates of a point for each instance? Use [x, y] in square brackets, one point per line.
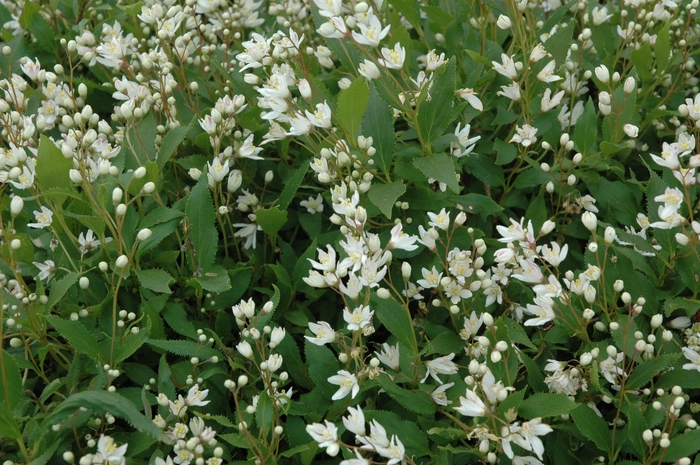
[322, 365]
[264, 412]
[662, 47]
[201, 223]
[8, 424]
[142, 137]
[384, 196]
[684, 445]
[175, 315]
[155, 280]
[687, 379]
[435, 115]
[132, 343]
[586, 129]
[645, 371]
[486, 170]
[440, 167]
[291, 186]
[637, 424]
[77, 335]
[215, 282]
[159, 216]
[592, 427]
[480, 204]
[352, 104]
[414, 400]
[396, 320]
[378, 124]
[52, 168]
[271, 220]
[103, 402]
[158, 233]
[546, 405]
[11, 388]
[185, 348]
[505, 152]
[558, 43]
[171, 141]
[535, 378]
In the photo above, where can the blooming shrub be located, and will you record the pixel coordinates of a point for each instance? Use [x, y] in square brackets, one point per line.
[347, 232]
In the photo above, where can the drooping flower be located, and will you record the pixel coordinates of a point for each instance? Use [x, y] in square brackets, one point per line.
[109, 452]
[441, 365]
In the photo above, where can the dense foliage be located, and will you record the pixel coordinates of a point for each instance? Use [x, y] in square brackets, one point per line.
[435, 232]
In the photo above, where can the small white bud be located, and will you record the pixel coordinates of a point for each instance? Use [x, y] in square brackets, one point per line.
[84, 282]
[122, 261]
[144, 234]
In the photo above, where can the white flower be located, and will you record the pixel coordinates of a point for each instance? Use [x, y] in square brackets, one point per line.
[371, 33]
[321, 117]
[524, 135]
[393, 58]
[358, 318]
[547, 73]
[464, 140]
[554, 255]
[389, 356]
[631, 130]
[549, 102]
[323, 332]
[324, 435]
[394, 451]
[109, 452]
[440, 220]
[471, 326]
[439, 396]
[600, 15]
[693, 357]
[543, 311]
[46, 270]
[195, 397]
[431, 278]
[217, 171]
[470, 96]
[355, 422]
[472, 405]
[43, 219]
[511, 91]
[506, 67]
[441, 365]
[369, 70]
[401, 240]
[313, 205]
[527, 436]
[248, 232]
[347, 382]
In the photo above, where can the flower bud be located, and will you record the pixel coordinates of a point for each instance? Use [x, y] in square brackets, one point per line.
[682, 239]
[149, 187]
[619, 285]
[590, 221]
[629, 85]
[122, 261]
[84, 282]
[656, 320]
[547, 227]
[121, 209]
[631, 130]
[383, 293]
[602, 73]
[139, 172]
[15, 244]
[144, 234]
[586, 359]
[610, 235]
[234, 180]
[117, 196]
[503, 22]
[16, 206]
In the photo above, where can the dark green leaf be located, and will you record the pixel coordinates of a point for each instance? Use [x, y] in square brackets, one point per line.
[558, 43]
[684, 445]
[546, 405]
[440, 167]
[414, 400]
[378, 124]
[477, 204]
[158, 216]
[185, 348]
[170, 143]
[435, 115]
[385, 196]
[505, 152]
[592, 427]
[586, 130]
[132, 343]
[52, 168]
[8, 424]
[322, 365]
[397, 320]
[77, 336]
[155, 280]
[271, 220]
[11, 388]
[201, 220]
[103, 402]
[177, 318]
[264, 412]
[486, 170]
[291, 185]
[645, 371]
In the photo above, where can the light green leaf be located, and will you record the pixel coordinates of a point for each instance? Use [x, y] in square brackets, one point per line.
[132, 343]
[52, 168]
[264, 412]
[159, 216]
[435, 115]
[662, 47]
[645, 371]
[291, 185]
[396, 320]
[77, 335]
[684, 445]
[170, 143]
[385, 196]
[592, 427]
[352, 104]
[478, 204]
[215, 282]
[545, 405]
[142, 137]
[103, 402]
[271, 220]
[378, 124]
[439, 167]
[158, 232]
[8, 424]
[155, 280]
[201, 220]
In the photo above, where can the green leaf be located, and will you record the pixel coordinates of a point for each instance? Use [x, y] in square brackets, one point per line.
[385, 196]
[662, 47]
[177, 318]
[643, 61]
[264, 412]
[435, 115]
[158, 216]
[215, 282]
[352, 104]
[586, 130]
[535, 378]
[132, 343]
[416, 401]
[645, 371]
[637, 424]
[486, 170]
[409, 10]
[440, 167]
[103, 402]
[684, 445]
[171, 141]
[77, 335]
[378, 124]
[412, 436]
[396, 320]
[201, 220]
[505, 152]
[322, 365]
[158, 233]
[687, 379]
[477, 204]
[185, 348]
[546, 405]
[32, 20]
[11, 389]
[558, 43]
[142, 137]
[155, 280]
[8, 424]
[592, 427]
[52, 168]
[516, 333]
[291, 185]
[271, 220]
